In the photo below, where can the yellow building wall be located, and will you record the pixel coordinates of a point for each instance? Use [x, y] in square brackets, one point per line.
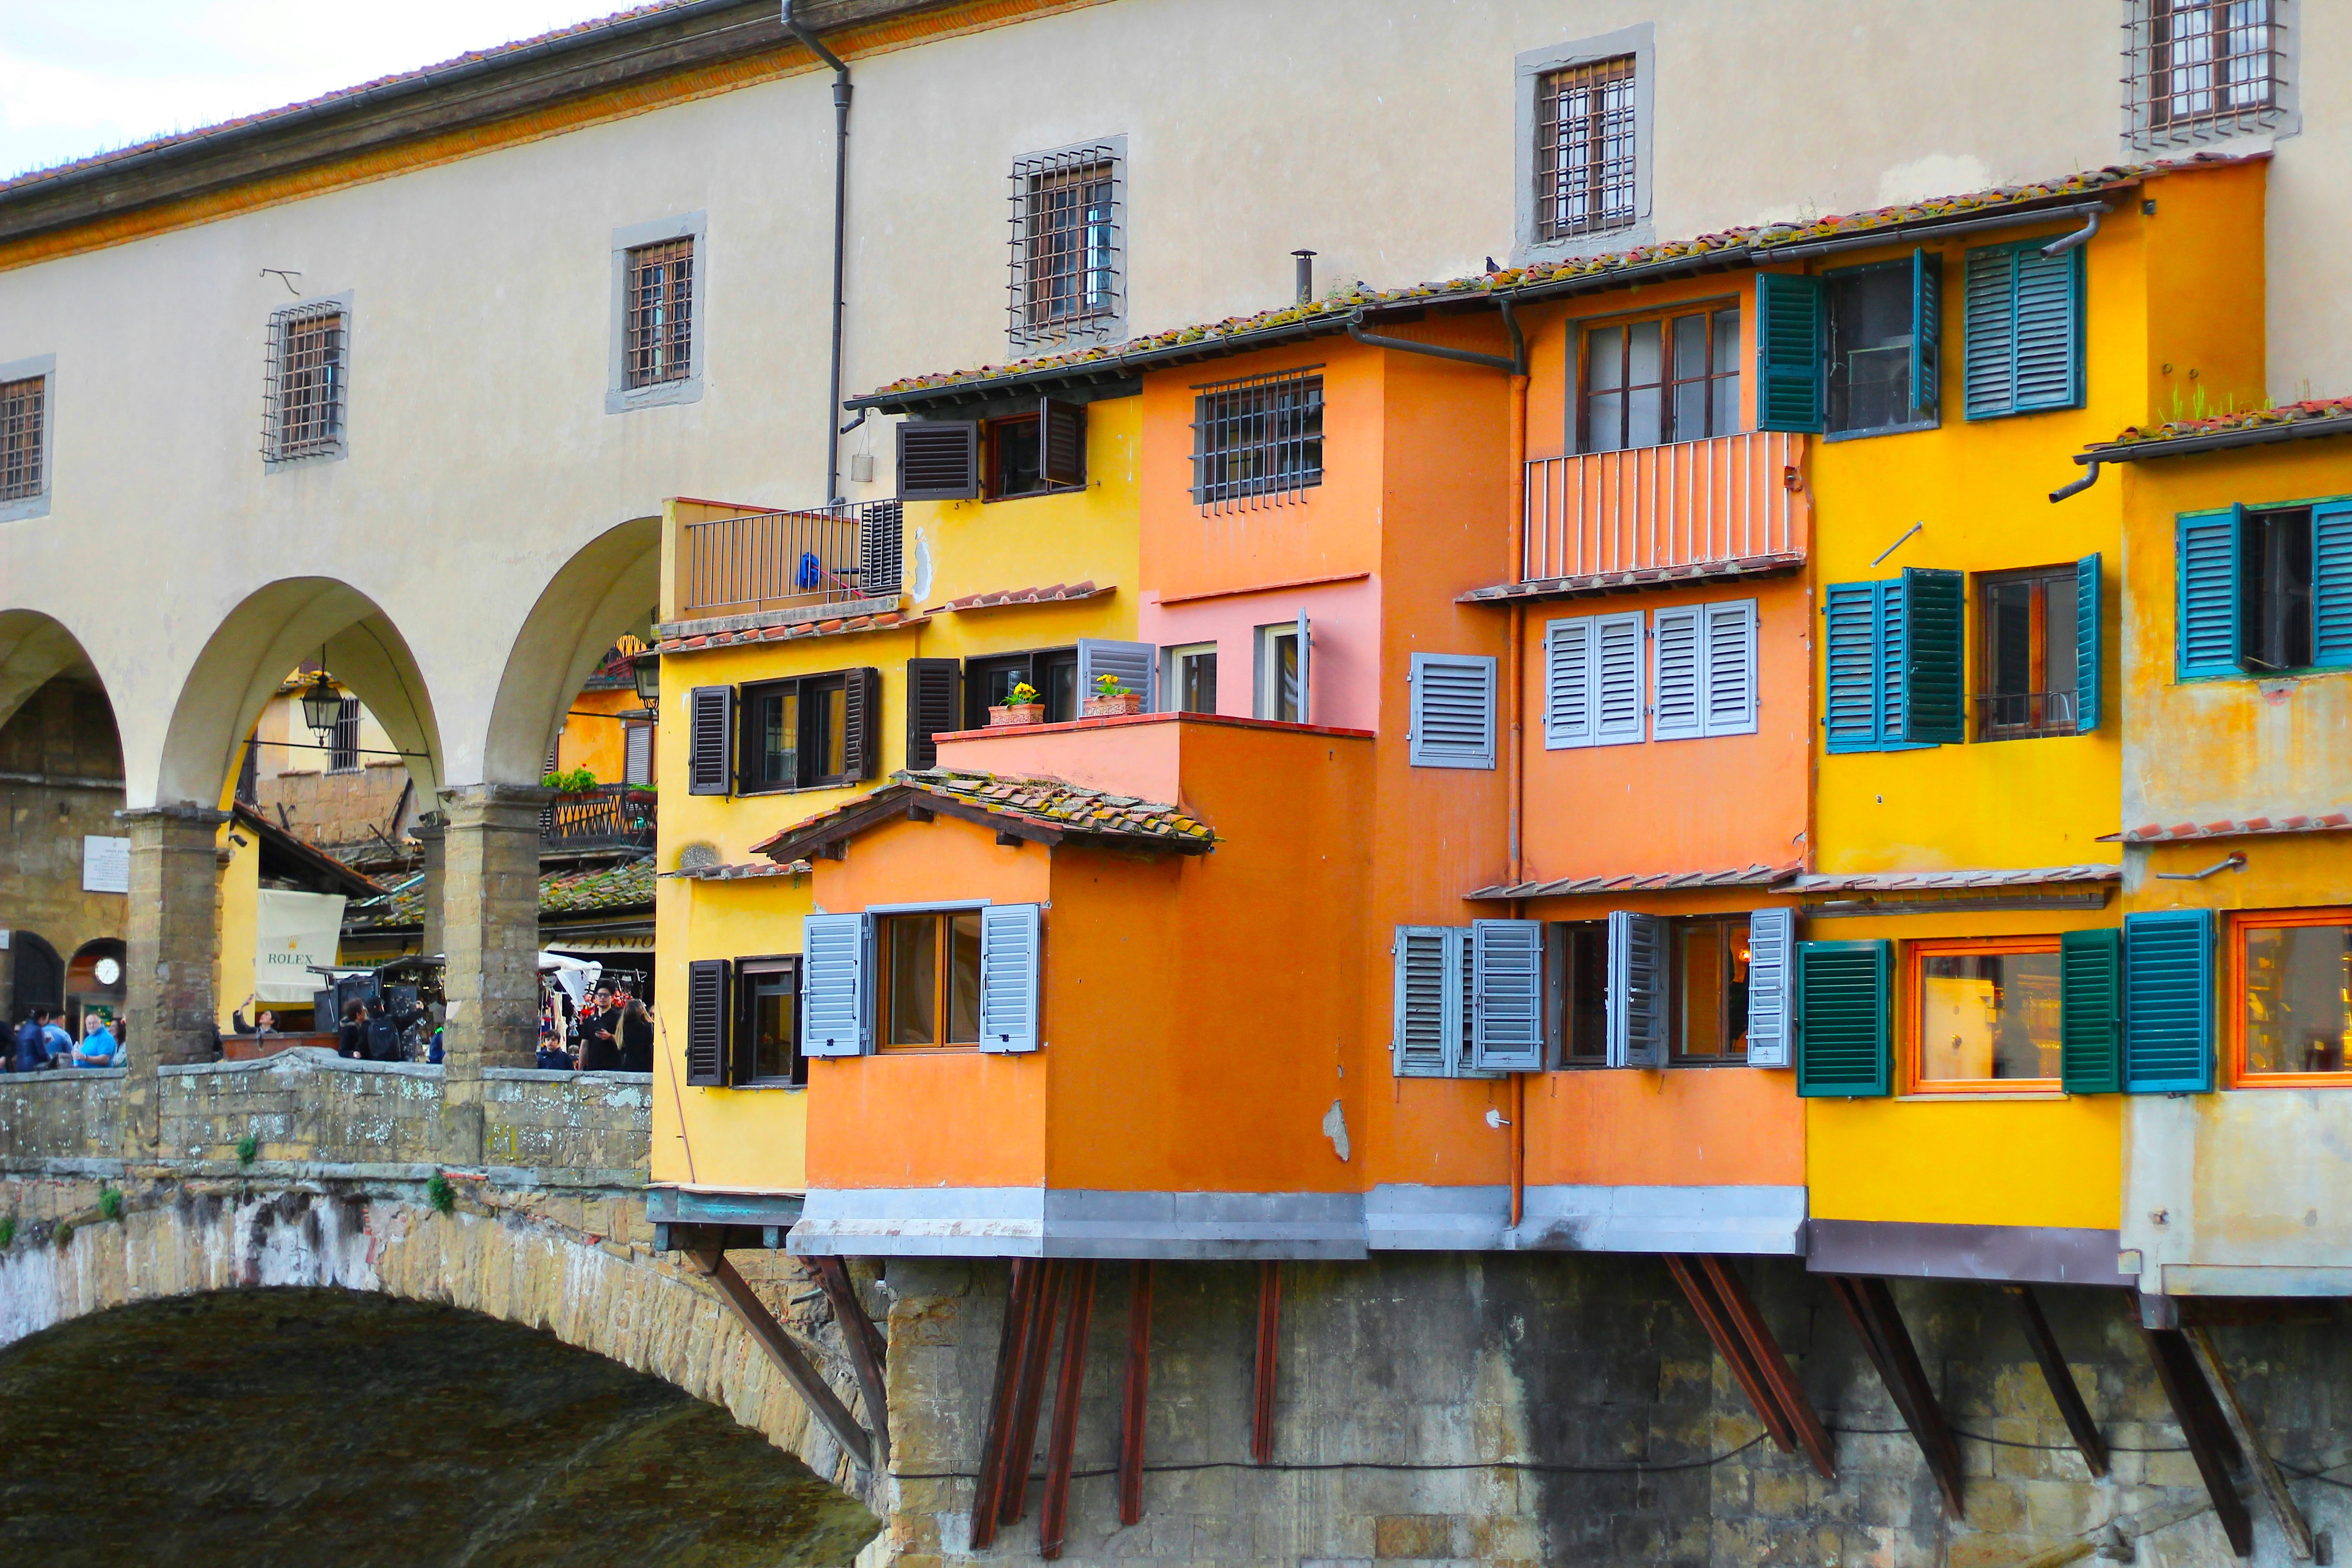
[593, 735]
[240, 885]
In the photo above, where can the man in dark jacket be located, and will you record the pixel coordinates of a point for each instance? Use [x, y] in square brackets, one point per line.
[32, 1042]
[351, 1035]
[599, 1052]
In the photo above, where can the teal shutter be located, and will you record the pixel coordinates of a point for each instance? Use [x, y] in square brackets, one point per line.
[2089, 1011]
[1842, 993]
[1926, 332]
[1933, 613]
[2049, 329]
[2331, 583]
[2208, 555]
[2086, 644]
[1850, 705]
[2169, 1002]
[1789, 328]
[1988, 332]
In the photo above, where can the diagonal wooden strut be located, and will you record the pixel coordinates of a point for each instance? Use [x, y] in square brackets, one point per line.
[798, 1370]
[1020, 1301]
[2210, 1443]
[1796, 1410]
[1870, 1307]
[1139, 1386]
[1077, 1316]
[2290, 1522]
[1269, 1342]
[2055, 1372]
[865, 1343]
[1029, 1392]
[1700, 1293]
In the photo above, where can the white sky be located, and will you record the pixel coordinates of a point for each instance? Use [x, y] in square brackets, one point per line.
[79, 77]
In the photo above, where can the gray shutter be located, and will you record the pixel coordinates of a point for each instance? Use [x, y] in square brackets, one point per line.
[1637, 989]
[934, 706]
[1135, 663]
[1772, 990]
[1675, 653]
[837, 986]
[1568, 706]
[1507, 988]
[706, 1022]
[1728, 667]
[1617, 718]
[881, 549]
[1009, 967]
[1427, 1001]
[1305, 645]
[1060, 442]
[1453, 710]
[861, 741]
[938, 459]
[710, 740]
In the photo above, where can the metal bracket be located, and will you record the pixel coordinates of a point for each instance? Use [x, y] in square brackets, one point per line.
[2236, 862]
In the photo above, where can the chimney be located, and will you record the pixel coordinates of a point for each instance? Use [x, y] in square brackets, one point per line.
[1306, 275]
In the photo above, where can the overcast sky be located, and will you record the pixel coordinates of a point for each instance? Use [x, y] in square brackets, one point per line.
[79, 77]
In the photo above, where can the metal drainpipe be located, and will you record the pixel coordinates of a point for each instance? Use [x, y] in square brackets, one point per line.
[841, 90]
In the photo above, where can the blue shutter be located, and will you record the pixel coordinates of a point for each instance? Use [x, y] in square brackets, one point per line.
[1133, 662]
[1569, 676]
[2048, 327]
[1850, 704]
[2089, 1011]
[1453, 710]
[1771, 988]
[2209, 598]
[1934, 657]
[1674, 675]
[2086, 644]
[1727, 704]
[1617, 715]
[2169, 1001]
[1426, 1017]
[1637, 989]
[1842, 995]
[1893, 665]
[1507, 1020]
[1988, 332]
[1009, 944]
[1790, 323]
[837, 986]
[1927, 332]
[2331, 583]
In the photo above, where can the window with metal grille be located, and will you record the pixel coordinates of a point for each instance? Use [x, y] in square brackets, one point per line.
[23, 407]
[1257, 441]
[343, 742]
[1584, 148]
[1066, 271]
[659, 314]
[2194, 69]
[306, 382]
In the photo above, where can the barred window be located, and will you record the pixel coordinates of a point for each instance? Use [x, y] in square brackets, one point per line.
[23, 408]
[2195, 69]
[1584, 148]
[303, 416]
[1257, 441]
[1065, 245]
[343, 742]
[660, 307]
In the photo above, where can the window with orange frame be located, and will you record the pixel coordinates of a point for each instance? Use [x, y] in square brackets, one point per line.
[2290, 997]
[1983, 1016]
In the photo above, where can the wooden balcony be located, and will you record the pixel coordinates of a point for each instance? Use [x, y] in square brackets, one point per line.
[1725, 506]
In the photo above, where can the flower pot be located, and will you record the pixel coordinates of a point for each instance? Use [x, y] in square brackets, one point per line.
[1113, 706]
[1016, 713]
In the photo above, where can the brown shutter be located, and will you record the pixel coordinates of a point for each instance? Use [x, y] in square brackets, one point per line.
[1062, 442]
[706, 1022]
[934, 703]
[938, 459]
[710, 740]
[861, 742]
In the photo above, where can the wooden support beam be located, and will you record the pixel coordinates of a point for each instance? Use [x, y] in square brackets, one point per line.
[1699, 1291]
[2290, 1521]
[1069, 1382]
[865, 1347]
[2061, 1379]
[1020, 1299]
[1139, 1386]
[1796, 1410]
[1020, 1441]
[1870, 1307]
[2210, 1442]
[1269, 1342]
[798, 1370]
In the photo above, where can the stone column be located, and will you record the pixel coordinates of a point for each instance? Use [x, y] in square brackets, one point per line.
[172, 941]
[429, 833]
[490, 935]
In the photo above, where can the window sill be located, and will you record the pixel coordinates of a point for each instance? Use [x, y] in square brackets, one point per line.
[1946, 1097]
[771, 1083]
[2293, 1080]
[798, 789]
[1912, 429]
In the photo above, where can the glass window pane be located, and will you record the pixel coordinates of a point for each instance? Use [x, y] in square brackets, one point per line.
[775, 1014]
[963, 980]
[837, 731]
[1643, 425]
[1701, 963]
[1605, 423]
[1197, 682]
[1644, 372]
[1643, 358]
[1734, 991]
[1061, 683]
[2298, 1018]
[1690, 411]
[1017, 469]
[1690, 347]
[780, 734]
[1988, 1016]
[914, 980]
[1726, 342]
[1604, 348]
[1870, 349]
[1588, 993]
[2009, 610]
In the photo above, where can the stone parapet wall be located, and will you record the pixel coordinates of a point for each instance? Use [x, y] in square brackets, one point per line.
[70, 1114]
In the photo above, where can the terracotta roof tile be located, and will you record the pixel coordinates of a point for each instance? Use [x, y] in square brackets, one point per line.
[1641, 882]
[889, 620]
[1049, 803]
[624, 887]
[1060, 592]
[2238, 827]
[1952, 881]
[2284, 413]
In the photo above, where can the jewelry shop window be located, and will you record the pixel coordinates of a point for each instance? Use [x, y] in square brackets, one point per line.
[2294, 998]
[1986, 1016]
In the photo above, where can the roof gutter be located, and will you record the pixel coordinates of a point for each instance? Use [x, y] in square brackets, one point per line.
[2219, 441]
[1516, 365]
[840, 91]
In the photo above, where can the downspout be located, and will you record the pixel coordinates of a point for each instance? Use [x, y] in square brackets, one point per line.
[841, 90]
[2067, 242]
[2090, 477]
[1516, 687]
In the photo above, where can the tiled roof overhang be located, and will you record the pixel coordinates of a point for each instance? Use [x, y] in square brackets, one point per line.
[1010, 598]
[1952, 881]
[1640, 882]
[1630, 581]
[2262, 428]
[1036, 811]
[2243, 827]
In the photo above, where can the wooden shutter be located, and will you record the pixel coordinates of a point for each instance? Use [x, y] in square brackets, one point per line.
[2169, 1002]
[1927, 332]
[1507, 988]
[1453, 710]
[1851, 702]
[710, 740]
[1428, 1000]
[2209, 596]
[881, 549]
[1790, 327]
[1568, 708]
[636, 753]
[706, 995]
[837, 986]
[2089, 1011]
[2048, 327]
[2331, 583]
[2086, 644]
[1617, 661]
[861, 739]
[1009, 966]
[1675, 657]
[1135, 663]
[1842, 995]
[1988, 332]
[934, 705]
[1772, 991]
[1934, 702]
[1728, 663]
[1062, 441]
[1637, 989]
[938, 459]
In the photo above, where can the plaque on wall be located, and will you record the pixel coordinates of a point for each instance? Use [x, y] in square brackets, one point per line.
[105, 864]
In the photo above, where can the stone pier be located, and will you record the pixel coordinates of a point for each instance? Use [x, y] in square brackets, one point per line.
[489, 902]
[171, 949]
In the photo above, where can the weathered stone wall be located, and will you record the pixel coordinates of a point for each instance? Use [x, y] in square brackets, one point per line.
[338, 811]
[60, 779]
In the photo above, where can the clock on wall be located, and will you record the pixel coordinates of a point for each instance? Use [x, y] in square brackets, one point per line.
[109, 972]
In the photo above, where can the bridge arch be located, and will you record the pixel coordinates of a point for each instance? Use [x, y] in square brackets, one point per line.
[609, 586]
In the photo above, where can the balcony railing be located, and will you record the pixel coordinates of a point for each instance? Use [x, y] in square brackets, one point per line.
[1734, 498]
[780, 560]
[610, 817]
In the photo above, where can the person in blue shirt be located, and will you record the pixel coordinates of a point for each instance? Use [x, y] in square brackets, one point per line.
[96, 1046]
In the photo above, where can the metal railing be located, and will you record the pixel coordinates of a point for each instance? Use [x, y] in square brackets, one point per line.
[2015, 715]
[1730, 498]
[611, 816]
[777, 560]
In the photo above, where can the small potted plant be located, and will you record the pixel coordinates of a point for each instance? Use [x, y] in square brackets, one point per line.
[1110, 699]
[1024, 708]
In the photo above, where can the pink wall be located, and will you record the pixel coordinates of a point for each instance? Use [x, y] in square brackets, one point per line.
[1343, 660]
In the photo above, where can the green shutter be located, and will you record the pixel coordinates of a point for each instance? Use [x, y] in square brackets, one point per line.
[2331, 583]
[1926, 332]
[1842, 991]
[2209, 599]
[1789, 328]
[2049, 329]
[2089, 1011]
[2086, 644]
[1935, 710]
[1850, 707]
[2169, 1002]
[1988, 332]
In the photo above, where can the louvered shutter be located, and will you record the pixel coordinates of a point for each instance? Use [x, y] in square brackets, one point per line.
[1988, 332]
[1135, 663]
[1771, 991]
[2209, 597]
[2169, 1002]
[1617, 661]
[1927, 332]
[706, 1022]
[1302, 646]
[1062, 441]
[1506, 1028]
[1727, 700]
[2089, 1011]
[1893, 665]
[861, 740]
[2086, 644]
[1463, 976]
[2049, 329]
[1453, 710]
[934, 706]
[1789, 323]
[837, 986]
[1851, 703]
[938, 459]
[881, 549]
[710, 740]
[1428, 1000]
[1637, 989]
[1010, 939]
[1568, 708]
[1841, 1019]
[2331, 583]
[1935, 703]
[1675, 673]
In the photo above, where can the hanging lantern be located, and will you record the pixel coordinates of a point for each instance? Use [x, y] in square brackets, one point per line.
[322, 705]
[647, 673]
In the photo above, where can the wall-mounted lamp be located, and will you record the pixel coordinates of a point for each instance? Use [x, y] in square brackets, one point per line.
[647, 671]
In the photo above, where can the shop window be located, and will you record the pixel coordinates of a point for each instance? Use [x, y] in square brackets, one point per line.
[930, 981]
[2295, 995]
[2265, 591]
[1669, 378]
[1988, 1016]
[1191, 673]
